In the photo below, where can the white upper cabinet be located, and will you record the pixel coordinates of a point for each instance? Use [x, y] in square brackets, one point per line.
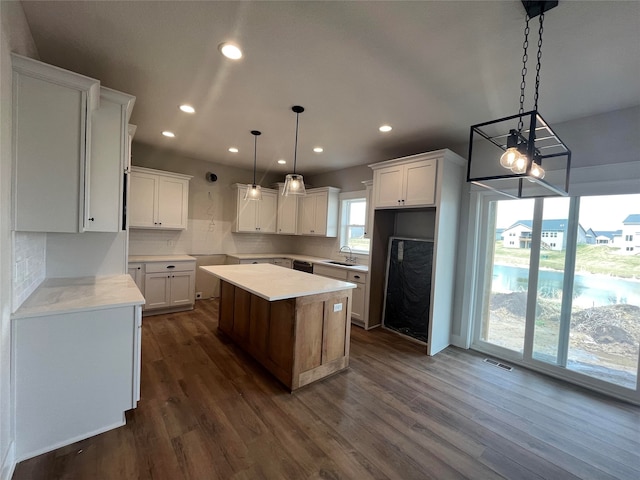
[255, 216]
[407, 183]
[318, 212]
[158, 199]
[287, 212]
[51, 144]
[109, 158]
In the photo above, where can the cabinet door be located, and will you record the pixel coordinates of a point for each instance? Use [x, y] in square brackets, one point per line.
[182, 288]
[49, 142]
[306, 214]
[388, 187]
[157, 292]
[108, 149]
[267, 209]
[141, 207]
[420, 183]
[320, 217]
[357, 302]
[287, 217]
[172, 201]
[247, 214]
[135, 270]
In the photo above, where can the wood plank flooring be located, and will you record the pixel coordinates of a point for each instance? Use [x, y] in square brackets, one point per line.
[208, 411]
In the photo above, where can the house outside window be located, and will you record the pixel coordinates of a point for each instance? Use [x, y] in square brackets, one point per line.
[353, 212]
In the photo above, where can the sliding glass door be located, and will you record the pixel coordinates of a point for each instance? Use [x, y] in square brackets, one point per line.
[559, 288]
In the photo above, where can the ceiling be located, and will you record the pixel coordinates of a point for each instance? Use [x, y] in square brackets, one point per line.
[429, 68]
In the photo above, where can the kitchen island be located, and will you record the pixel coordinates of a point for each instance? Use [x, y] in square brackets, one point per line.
[295, 324]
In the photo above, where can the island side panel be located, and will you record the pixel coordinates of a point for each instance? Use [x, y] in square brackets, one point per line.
[225, 307]
[329, 335]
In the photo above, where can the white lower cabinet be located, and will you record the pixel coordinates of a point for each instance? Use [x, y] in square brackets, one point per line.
[358, 303]
[167, 286]
[358, 307]
[75, 375]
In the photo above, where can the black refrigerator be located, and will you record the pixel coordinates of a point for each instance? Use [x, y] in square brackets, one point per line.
[408, 286]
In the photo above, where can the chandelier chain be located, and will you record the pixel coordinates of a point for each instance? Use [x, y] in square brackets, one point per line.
[540, 31]
[523, 83]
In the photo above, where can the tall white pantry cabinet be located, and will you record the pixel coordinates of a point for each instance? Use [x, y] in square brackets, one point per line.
[76, 340]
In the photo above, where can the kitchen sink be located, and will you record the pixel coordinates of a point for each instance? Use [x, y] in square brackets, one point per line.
[344, 264]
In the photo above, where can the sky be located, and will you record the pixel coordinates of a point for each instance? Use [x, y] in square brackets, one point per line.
[598, 213]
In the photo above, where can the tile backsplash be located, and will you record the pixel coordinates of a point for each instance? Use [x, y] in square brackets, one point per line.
[29, 250]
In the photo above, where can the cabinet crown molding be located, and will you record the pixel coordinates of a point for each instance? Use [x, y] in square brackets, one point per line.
[445, 154]
[161, 172]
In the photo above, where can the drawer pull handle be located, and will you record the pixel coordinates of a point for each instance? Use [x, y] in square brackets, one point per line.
[356, 276]
[171, 266]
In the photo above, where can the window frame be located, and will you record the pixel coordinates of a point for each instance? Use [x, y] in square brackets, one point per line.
[346, 198]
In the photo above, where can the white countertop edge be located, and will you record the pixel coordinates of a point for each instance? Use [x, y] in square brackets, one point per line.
[160, 258]
[329, 285]
[57, 296]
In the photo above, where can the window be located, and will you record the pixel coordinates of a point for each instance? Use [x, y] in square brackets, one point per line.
[628, 238]
[564, 307]
[352, 223]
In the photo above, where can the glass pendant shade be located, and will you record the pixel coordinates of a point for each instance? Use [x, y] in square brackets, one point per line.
[254, 192]
[293, 182]
[294, 185]
[537, 171]
[509, 157]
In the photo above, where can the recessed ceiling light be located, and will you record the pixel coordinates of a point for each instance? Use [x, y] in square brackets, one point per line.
[385, 128]
[169, 134]
[282, 162]
[233, 149]
[318, 149]
[230, 51]
[187, 108]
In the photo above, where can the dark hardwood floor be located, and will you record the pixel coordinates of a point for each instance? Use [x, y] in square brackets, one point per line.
[209, 411]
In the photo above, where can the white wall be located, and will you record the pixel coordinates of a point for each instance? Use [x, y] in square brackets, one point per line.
[15, 36]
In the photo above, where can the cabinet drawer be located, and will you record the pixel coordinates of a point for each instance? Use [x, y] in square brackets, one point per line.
[159, 267]
[356, 277]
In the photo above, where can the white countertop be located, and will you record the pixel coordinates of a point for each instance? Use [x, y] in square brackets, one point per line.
[159, 258]
[272, 282]
[303, 258]
[63, 295]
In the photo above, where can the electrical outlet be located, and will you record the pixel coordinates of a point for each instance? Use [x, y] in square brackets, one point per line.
[171, 243]
[198, 295]
[337, 307]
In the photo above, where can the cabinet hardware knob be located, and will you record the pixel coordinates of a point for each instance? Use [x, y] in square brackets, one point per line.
[91, 219]
[356, 276]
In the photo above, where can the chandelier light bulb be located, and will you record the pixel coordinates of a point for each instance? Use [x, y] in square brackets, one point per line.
[509, 157]
[537, 171]
[520, 164]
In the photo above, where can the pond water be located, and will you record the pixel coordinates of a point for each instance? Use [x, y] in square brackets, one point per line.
[589, 290]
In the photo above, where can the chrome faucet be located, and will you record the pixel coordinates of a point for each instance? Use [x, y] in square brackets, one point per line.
[348, 258]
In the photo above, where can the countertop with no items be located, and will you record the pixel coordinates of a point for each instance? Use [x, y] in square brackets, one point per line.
[269, 282]
[63, 295]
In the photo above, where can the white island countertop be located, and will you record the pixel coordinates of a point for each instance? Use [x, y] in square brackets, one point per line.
[272, 282]
[63, 295]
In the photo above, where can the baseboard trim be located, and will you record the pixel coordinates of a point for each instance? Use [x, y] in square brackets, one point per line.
[9, 462]
[69, 441]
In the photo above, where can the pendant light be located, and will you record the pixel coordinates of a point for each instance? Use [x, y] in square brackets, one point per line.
[293, 182]
[254, 192]
[523, 149]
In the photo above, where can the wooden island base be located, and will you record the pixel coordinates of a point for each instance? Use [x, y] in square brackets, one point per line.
[299, 340]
